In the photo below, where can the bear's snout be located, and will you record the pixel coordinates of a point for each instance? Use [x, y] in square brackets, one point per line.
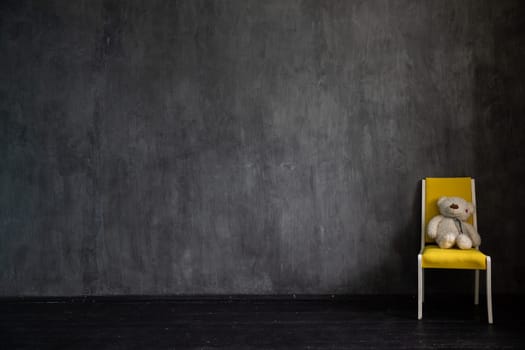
[454, 206]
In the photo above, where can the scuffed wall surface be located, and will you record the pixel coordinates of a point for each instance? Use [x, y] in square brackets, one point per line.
[251, 147]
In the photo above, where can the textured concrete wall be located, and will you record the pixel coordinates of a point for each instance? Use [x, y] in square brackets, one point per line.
[193, 147]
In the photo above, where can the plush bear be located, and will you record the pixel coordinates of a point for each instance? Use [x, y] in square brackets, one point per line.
[450, 228]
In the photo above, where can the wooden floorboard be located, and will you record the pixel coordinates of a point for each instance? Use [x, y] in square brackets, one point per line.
[374, 322]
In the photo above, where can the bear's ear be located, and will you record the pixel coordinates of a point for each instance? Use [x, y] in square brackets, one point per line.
[441, 200]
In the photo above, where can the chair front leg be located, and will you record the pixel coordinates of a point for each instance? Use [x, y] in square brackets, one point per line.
[422, 286]
[489, 290]
[419, 288]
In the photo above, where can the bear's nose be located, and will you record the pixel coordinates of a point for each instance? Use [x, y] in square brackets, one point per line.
[454, 206]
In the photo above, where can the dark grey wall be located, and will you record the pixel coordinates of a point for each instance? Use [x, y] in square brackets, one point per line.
[168, 147]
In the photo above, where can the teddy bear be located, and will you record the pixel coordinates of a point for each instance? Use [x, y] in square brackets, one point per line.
[450, 228]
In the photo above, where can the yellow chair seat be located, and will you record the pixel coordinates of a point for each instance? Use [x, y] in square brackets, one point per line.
[438, 258]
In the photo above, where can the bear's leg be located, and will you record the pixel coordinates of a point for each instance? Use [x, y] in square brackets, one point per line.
[446, 240]
[464, 242]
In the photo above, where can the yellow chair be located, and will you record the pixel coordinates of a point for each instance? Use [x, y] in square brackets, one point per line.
[433, 257]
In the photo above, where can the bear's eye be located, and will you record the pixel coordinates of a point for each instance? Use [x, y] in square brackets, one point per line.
[466, 210]
[454, 206]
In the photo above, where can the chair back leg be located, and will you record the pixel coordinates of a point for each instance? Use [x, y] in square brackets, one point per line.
[476, 287]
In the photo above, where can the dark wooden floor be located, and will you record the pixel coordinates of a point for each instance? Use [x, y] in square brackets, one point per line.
[261, 323]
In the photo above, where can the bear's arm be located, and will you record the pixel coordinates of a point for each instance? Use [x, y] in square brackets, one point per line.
[433, 226]
[473, 234]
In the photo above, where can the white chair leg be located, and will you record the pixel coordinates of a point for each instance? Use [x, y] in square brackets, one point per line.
[489, 290]
[476, 287]
[422, 285]
[419, 288]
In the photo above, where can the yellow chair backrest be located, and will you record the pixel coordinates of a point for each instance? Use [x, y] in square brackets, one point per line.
[436, 187]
